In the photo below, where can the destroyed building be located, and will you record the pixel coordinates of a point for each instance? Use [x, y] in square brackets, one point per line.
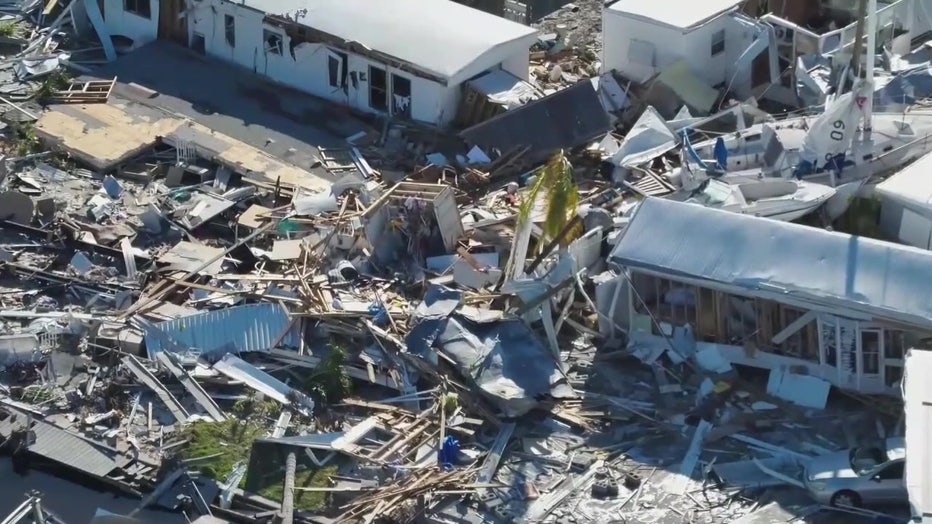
[326, 261]
[718, 43]
[408, 61]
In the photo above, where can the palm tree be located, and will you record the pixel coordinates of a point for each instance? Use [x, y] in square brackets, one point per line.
[556, 183]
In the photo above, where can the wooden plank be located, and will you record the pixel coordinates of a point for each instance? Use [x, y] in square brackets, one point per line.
[49, 7]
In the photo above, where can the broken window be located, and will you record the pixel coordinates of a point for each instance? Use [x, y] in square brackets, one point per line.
[894, 350]
[401, 96]
[718, 42]
[199, 43]
[229, 28]
[273, 42]
[894, 344]
[337, 69]
[378, 89]
[138, 7]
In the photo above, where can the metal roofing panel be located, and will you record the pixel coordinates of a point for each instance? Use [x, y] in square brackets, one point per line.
[71, 450]
[439, 36]
[238, 369]
[252, 327]
[565, 119]
[767, 256]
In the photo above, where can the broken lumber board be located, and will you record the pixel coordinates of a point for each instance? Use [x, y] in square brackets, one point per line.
[490, 464]
[192, 386]
[542, 507]
[147, 378]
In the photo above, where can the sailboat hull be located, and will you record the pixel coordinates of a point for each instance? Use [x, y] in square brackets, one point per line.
[838, 204]
[789, 211]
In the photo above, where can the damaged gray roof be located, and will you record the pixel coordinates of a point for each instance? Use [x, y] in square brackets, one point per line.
[779, 258]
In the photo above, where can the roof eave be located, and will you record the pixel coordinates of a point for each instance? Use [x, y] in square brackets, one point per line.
[462, 74]
[687, 29]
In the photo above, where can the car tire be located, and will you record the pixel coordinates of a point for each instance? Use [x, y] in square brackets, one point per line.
[845, 498]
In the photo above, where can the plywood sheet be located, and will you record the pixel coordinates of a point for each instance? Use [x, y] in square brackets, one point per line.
[104, 135]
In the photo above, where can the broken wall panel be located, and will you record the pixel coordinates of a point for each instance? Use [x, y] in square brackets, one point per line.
[563, 120]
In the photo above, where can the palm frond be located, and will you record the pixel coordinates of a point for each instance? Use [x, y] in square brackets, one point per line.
[561, 195]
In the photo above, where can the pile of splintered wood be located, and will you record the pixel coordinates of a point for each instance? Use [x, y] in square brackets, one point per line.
[389, 502]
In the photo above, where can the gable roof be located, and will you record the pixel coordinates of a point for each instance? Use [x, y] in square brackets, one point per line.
[438, 36]
[680, 14]
[758, 254]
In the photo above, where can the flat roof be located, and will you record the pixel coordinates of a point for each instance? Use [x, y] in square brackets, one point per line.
[682, 14]
[772, 258]
[912, 185]
[438, 36]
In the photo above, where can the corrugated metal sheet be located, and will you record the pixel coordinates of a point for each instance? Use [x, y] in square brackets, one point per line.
[563, 120]
[238, 369]
[252, 327]
[61, 446]
[774, 259]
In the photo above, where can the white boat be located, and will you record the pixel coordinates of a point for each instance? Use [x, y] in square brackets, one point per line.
[776, 199]
[775, 150]
[830, 148]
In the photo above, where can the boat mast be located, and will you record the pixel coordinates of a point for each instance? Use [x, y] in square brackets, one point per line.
[858, 39]
[871, 57]
[867, 12]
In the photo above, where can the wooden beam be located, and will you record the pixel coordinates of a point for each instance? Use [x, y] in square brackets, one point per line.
[794, 327]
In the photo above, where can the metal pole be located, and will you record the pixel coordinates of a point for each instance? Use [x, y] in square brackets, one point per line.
[859, 39]
[288, 497]
[871, 57]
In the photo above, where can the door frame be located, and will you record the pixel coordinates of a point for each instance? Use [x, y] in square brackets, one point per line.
[878, 330]
[172, 24]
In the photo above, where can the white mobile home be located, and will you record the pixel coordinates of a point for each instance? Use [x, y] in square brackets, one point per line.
[407, 58]
[917, 396]
[643, 37]
[774, 295]
[906, 204]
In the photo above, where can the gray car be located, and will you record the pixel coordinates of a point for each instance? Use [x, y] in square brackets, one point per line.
[859, 476]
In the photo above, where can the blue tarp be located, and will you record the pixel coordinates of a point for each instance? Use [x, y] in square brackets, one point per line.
[449, 452]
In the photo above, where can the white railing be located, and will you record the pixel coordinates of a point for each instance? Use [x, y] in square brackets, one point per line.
[809, 42]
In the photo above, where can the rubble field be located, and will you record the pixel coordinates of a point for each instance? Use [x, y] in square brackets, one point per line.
[406, 329]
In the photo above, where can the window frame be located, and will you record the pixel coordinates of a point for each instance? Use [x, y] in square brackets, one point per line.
[229, 30]
[384, 90]
[277, 50]
[718, 43]
[337, 77]
[140, 8]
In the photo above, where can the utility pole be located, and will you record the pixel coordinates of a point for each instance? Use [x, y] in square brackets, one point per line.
[291, 464]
